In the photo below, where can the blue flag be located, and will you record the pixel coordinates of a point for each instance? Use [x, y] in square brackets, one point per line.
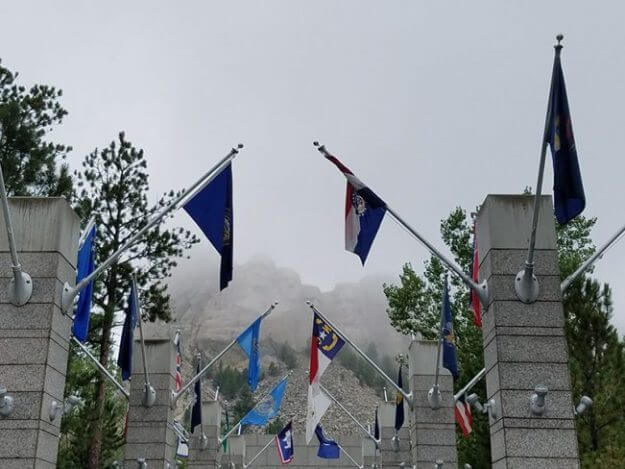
[196, 411]
[448, 339]
[86, 265]
[268, 408]
[328, 449]
[376, 426]
[124, 359]
[248, 341]
[399, 403]
[568, 192]
[284, 442]
[211, 209]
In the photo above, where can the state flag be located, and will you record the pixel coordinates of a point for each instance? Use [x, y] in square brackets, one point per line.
[85, 266]
[284, 443]
[124, 359]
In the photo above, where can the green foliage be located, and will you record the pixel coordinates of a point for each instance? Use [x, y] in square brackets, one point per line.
[244, 404]
[366, 374]
[274, 427]
[287, 355]
[113, 188]
[29, 163]
[273, 369]
[230, 381]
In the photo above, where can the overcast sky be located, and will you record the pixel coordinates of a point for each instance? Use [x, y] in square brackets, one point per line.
[432, 104]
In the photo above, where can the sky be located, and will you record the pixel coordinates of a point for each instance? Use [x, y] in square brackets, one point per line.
[432, 104]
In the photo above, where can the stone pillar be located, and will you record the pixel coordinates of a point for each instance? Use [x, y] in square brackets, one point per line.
[150, 431]
[34, 338]
[207, 455]
[369, 452]
[433, 432]
[524, 344]
[393, 450]
[235, 457]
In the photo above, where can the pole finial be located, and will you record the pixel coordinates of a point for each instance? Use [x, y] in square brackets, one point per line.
[558, 46]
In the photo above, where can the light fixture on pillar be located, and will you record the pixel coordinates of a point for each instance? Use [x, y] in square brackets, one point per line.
[6, 403]
[468, 466]
[438, 464]
[488, 408]
[537, 400]
[434, 397]
[395, 442]
[141, 464]
[584, 404]
[56, 408]
[149, 396]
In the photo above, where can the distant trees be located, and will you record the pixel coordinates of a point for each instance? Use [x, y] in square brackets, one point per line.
[230, 380]
[287, 355]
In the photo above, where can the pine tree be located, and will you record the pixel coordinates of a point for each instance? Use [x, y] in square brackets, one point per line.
[113, 188]
[29, 163]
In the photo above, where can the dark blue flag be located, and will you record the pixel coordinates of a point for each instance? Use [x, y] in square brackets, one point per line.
[249, 341]
[124, 359]
[376, 427]
[448, 339]
[284, 442]
[86, 265]
[568, 192]
[268, 408]
[328, 449]
[211, 209]
[196, 411]
[399, 403]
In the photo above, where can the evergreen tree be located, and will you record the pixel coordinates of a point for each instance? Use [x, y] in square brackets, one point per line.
[29, 163]
[244, 404]
[113, 188]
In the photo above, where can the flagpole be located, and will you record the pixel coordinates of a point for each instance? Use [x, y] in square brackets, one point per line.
[21, 285]
[434, 394]
[238, 424]
[327, 393]
[480, 289]
[408, 397]
[175, 395]
[256, 456]
[101, 367]
[359, 466]
[526, 284]
[86, 231]
[470, 384]
[149, 394]
[70, 293]
[591, 260]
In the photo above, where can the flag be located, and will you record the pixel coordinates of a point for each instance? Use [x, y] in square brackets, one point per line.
[284, 443]
[364, 212]
[268, 408]
[399, 403]
[124, 359]
[448, 339]
[182, 450]
[211, 209]
[568, 191]
[324, 346]
[463, 415]
[328, 449]
[475, 299]
[376, 426]
[178, 362]
[196, 411]
[85, 265]
[248, 341]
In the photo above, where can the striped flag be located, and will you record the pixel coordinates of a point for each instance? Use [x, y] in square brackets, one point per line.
[178, 362]
[463, 416]
[475, 300]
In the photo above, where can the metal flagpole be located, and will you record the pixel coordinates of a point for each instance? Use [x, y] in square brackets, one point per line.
[86, 231]
[265, 395]
[349, 456]
[434, 394]
[526, 284]
[591, 260]
[408, 397]
[327, 393]
[176, 395]
[21, 286]
[102, 369]
[70, 293]
[149, 394]
[470, 384]
[259, 453]
[481, 290]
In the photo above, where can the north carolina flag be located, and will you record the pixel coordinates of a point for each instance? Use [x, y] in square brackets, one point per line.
[324, 346]
[364, 212]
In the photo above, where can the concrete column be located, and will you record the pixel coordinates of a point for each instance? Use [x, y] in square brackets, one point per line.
[433, 432]
[525, 345]
[394, 449]
[207, 455]
[235, 457]
[34, 338]
[369, 452]
[150, 432]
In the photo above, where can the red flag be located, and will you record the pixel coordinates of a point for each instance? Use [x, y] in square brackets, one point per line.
[463, 416]
[475, 300]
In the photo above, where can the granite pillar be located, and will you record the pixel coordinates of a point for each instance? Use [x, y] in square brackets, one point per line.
[524, 344]
[34, 338]
[150, 430]
[433, 432]
[234, 458]
[395, 446]
[205, 453]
